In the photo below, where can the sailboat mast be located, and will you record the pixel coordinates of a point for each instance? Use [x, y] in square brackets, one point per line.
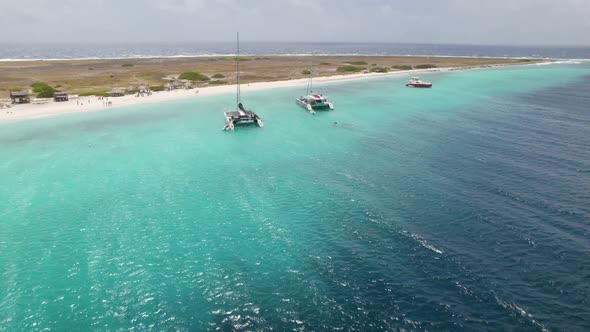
[311, 77]
[238, 73]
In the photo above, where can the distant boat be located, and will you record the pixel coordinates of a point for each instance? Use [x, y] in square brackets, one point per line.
[313, 101]
[415, 82]
[241, 115]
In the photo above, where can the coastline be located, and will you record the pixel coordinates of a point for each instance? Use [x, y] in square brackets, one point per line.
[93, 104]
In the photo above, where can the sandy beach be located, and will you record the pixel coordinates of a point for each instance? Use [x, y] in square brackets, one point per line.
[93, 103]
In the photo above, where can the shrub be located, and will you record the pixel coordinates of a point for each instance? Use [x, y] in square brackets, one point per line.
[94, 93]
[157, 88]
[424, 66]
[43, 90]
[193, 76]
[217, 82]
[218, 76]
[306, 72]
[325, 64]
[380, 70]
[349, 69]
[358, 63]
[58, 86]
[402, 67]
[127, 65]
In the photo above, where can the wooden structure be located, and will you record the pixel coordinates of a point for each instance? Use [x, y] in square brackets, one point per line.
[143, 90]
[177, 84]
[20, 97]
[60, 96]
[118, 92]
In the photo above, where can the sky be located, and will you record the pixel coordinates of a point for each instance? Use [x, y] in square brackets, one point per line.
[495, 22]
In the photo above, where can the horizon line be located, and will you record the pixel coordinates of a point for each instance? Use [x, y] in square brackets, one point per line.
[168, 42]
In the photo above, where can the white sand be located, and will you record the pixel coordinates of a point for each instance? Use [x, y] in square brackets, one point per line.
[90, 104]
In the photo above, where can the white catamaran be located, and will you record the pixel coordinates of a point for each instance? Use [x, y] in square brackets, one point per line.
[241, 115]
[313, 101]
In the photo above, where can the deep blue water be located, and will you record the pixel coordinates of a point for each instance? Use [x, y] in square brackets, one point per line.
[465, 207]
[130, 50]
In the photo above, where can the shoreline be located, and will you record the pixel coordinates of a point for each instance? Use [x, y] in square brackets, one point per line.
[32, 111]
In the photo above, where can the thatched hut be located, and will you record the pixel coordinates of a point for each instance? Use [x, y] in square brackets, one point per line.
[118, 92]
[177, 84]
[20, 97]
[60, 96]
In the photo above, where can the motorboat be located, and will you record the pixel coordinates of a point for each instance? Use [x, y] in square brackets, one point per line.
[416, 82]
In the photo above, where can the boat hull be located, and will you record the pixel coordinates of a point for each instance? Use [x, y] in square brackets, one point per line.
[232, 122]
[419, 85]
[312, 108]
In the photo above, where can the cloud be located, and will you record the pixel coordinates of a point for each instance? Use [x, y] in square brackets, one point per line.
[426, 21]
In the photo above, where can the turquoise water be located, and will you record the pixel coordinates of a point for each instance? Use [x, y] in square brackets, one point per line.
[462, 207]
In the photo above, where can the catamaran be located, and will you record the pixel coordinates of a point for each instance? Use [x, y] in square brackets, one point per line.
[241, 115]
[313, 101]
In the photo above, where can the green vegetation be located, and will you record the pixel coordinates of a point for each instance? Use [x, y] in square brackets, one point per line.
[325, 64]
[306, 72]
[217, 82]
[373, 64]
[43, 90]
[525, 60]
[127, 65]
[424, 66]
[241, 59]
[193, 76]
[358, 63]
[218, 76]
[379, 70]
[58, 86]
[402, 67]
[94, 93]
[157, 88]
[350, 69]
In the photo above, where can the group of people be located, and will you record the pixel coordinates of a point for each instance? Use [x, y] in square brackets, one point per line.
[105, 101]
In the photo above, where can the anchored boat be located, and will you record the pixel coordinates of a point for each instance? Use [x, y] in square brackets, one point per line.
[240, 116]
[416, 82]
[313, 101]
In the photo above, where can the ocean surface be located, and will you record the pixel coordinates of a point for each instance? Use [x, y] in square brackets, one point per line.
[465, 207]
[131, 50]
